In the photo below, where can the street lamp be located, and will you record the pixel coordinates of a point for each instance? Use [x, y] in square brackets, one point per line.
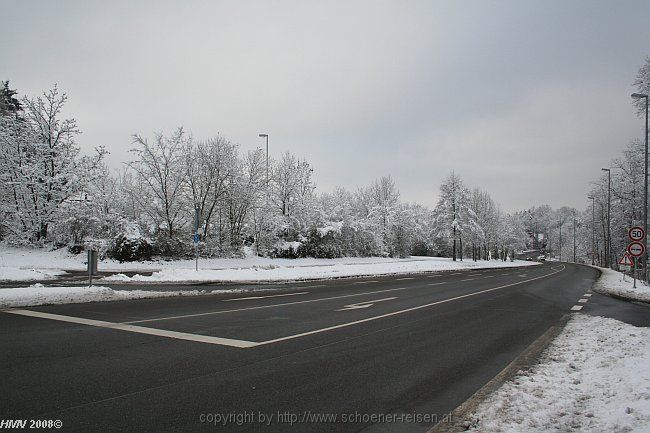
[645, 182]
[608, 257]
[574, 236]
[560, 241]
[593, 230]
[267, 157]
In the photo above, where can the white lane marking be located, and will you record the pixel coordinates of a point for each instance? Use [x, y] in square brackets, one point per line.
[468, 279]
[365, 304]
[395, 313]
[310, 287]
[242, 343]
[432, 276]
[583, 300]
[576, 308]
[264, 297]
[365, 282]
[402, 279]
[137, 329]
[489, 276]
[435, 284]
[235, 310]
[456, 273]
[474, 275]
[522, 275]
[587, 295]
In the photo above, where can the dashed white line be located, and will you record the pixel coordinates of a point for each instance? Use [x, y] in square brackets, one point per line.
[583, 300]
[468, 279]
[435, 284]
[365, 282]
[405, 278]
[576, 308]
[261, 307]
[432, 276]
[588, 295]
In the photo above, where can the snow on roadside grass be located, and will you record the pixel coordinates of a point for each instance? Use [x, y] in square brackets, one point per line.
[21, 274]
[38, 294]
[40, 258]
[612, 283]
[329, 268]
[595, 377]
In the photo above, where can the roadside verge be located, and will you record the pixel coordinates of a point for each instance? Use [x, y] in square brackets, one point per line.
[594, 376]
[617, 285]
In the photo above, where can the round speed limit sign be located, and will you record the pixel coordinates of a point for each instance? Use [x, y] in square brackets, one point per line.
[636, 234]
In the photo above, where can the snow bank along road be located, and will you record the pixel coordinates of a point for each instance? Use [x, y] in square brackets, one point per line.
[373, 354]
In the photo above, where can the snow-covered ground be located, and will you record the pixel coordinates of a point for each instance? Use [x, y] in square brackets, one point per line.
[595, 377]
[612, 283]
[38, 294]
[14, 273]
[24, 262]
[307, 269]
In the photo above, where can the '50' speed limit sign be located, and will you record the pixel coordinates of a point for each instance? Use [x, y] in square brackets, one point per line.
[636, 234]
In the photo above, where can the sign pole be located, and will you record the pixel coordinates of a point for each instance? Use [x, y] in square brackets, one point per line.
[196, 236]
[636, 249]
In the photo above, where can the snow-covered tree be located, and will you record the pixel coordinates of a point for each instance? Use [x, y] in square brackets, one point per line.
[160, 166]
[210, 168]
[642, 85]
[9, 104]
[41, 166]
[454, 215]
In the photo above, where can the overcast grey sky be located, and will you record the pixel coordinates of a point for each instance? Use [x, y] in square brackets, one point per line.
[526, 99]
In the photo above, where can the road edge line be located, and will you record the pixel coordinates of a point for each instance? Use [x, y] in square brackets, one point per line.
[459, 420]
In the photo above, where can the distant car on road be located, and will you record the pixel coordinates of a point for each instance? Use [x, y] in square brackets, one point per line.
[541, 258]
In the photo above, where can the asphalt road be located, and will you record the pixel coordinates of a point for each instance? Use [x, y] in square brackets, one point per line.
[301, 357]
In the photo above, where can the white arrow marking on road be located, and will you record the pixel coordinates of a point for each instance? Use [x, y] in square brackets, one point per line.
[264, 297]
[364, 304]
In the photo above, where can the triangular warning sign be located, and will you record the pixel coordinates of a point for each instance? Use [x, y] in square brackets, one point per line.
[626, 260]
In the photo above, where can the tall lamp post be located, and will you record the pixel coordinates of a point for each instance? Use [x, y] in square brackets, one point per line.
[267, 157]
[593, 229]
[574, 236]
[645, 182]
[560, 242]
[608, 258]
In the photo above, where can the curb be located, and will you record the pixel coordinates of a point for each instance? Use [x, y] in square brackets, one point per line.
[623, 298]
[619, 296]
[460, 416]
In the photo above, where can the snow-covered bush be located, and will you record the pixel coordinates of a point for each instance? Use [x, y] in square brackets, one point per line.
[324, 242]
[171, 247]
[130, 246]
[288, 250]
[130, 249]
